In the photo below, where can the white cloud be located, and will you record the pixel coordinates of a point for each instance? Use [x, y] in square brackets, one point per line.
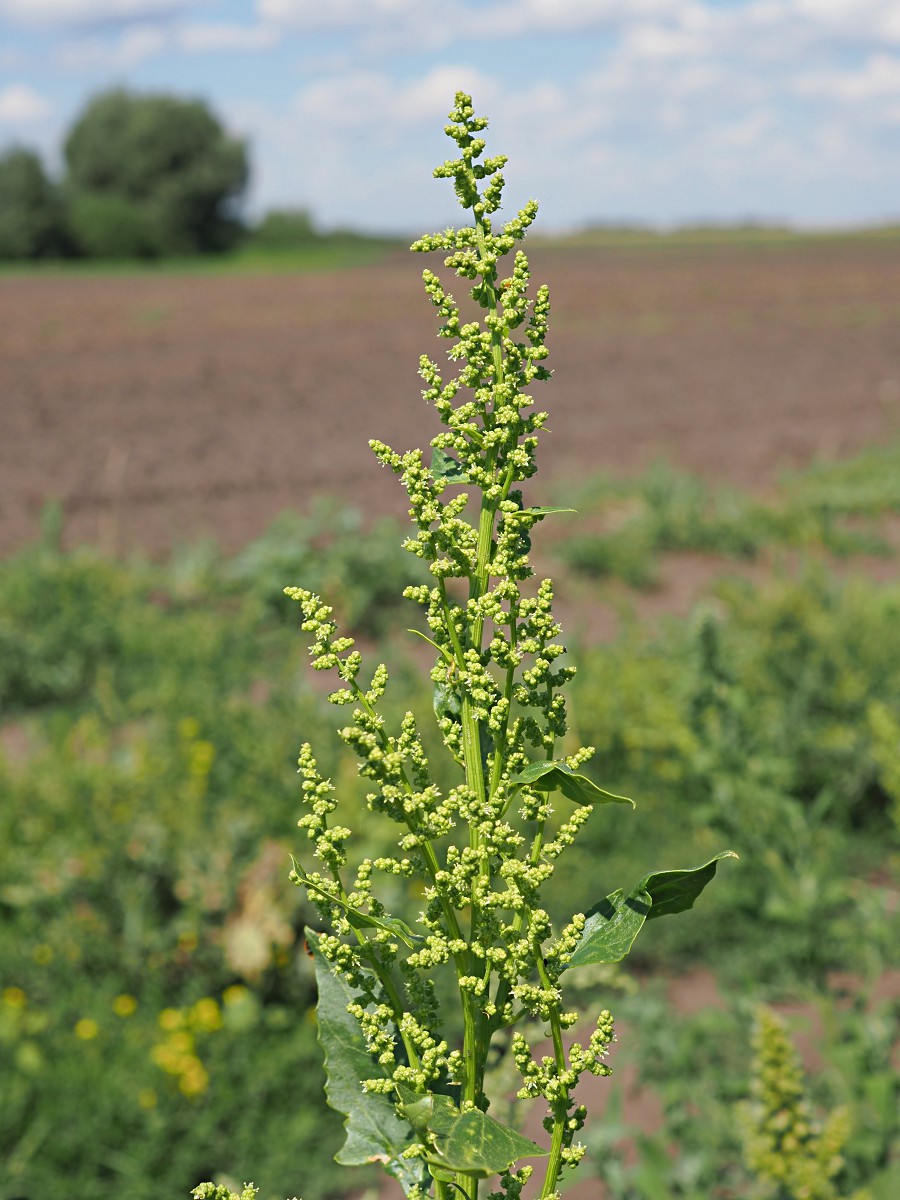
[512, 17]
[22, 105]
[455, 18]
[85, 12]
[667, 26]
[211, 37]
[140, 42]
[878, 78]
[712, 132]
[335, 14]
[127, 50]
[685, 107]
[365, 100]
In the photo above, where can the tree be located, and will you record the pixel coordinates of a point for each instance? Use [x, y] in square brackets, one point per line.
[152, 174]
[30, 213]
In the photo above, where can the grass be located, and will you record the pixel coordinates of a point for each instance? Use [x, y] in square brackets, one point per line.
[833, 508]
[744, 237]
[327, 254]
[343, 250]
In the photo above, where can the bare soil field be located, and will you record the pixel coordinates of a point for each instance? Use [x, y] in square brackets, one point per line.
[160, 408]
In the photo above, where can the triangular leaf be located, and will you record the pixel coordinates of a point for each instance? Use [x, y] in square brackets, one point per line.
[374, 1131]
[676, 891]
[445, 466]
[427, 1112]
[470, 1141]
[614, 923]
[392, 925]
[478, 1144]
[538, 512]
[611, 927]
[556, 776]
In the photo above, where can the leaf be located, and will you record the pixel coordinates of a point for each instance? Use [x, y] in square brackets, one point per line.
[393, 925]
[538, 512]
[424, 636]
[556, 776]
[478, 1144]
[676, 891]
[470, 1141]
[444, 466]
[374, 1131]
[614, 923]
[446, 701]
[427, 1112]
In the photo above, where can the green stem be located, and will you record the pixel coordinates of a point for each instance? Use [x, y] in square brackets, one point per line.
[475, 1024]
[559, 1107]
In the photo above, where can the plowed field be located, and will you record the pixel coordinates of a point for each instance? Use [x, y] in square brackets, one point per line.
[159, 408]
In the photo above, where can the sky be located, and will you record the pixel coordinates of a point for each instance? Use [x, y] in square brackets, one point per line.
[660, 112]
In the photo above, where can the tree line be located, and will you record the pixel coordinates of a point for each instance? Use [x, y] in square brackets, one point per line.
[145, 176]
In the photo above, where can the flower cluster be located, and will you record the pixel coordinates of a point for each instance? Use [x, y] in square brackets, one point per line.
[786, 1148]
[484, 847]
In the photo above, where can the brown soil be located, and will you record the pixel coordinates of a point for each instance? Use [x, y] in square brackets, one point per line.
[160, 408]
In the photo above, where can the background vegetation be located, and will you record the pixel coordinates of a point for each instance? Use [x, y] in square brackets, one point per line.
[149, 176]
[156, 1019]
[146, 176]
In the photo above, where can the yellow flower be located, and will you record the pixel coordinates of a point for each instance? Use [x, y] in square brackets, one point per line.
[14, 997]
[188, 727]
[124, 1005]
[206, 1015]
[171, 1018]
[43, 954]
[194, 1078]
[86, 1029]
[202, 755]
[235, 994]
[181, 1043]
[147, 1098]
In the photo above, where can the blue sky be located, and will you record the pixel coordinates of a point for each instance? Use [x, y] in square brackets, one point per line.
[658, 111]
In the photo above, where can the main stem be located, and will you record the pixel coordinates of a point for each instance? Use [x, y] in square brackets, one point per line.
[476, 1034]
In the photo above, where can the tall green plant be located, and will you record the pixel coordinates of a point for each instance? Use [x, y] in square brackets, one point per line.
[409, 1014]
[792, 1156]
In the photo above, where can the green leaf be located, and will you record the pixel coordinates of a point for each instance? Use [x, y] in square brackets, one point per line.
[392, 925]
[676, 891]
[441, 650]
[538, 512]
[472, 1141]
[614, 923]
[446, 701]
[374, 1131]
[445, 466]
[427, 1112]
[479, 1145]
[556, 776]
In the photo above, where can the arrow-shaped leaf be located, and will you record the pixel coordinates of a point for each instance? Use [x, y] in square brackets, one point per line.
[537, 512]
[676, 891]
[478, 1144]
[374, 1131]
[614, 923]
[557, 777]
[445, 466]
[427, 1112]
[393, 925]
[471, 1141]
